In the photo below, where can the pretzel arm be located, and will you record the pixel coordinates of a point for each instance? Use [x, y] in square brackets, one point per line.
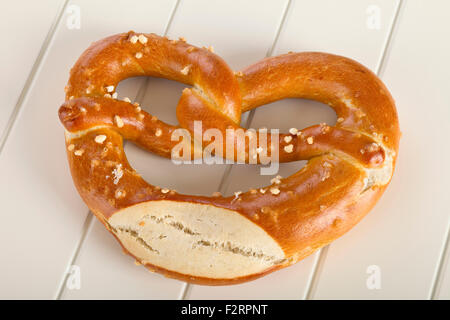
[361, 101]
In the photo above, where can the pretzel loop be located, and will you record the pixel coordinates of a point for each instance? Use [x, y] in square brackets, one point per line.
[223, 240]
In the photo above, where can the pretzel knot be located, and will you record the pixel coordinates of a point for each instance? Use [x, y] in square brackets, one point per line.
[225, 240]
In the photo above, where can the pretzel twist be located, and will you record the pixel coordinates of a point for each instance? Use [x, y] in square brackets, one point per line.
[225, 240]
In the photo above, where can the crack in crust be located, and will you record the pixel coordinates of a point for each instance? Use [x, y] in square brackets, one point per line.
[176, 224]
[135, 235]
[236, 249]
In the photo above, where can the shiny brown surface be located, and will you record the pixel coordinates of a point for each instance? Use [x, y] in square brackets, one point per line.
[314, 206]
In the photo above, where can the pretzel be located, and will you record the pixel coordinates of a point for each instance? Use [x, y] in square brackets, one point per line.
[227, 240]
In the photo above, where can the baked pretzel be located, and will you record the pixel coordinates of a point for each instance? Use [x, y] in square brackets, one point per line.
[226, 240]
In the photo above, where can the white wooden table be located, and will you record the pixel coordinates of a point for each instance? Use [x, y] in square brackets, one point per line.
[400, 250]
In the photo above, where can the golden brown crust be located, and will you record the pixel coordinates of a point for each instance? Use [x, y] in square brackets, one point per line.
[350, 164]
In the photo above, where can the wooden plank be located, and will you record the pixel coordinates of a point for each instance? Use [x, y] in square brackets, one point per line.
[44, 213]
[330, 26]
[394, 252]
[20, 47]
[106, 273]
